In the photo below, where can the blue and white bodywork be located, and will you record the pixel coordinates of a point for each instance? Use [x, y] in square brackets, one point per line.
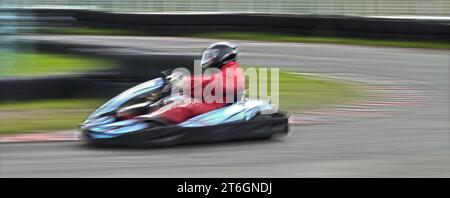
[245, 119]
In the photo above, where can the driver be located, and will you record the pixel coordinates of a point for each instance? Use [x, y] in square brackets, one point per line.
[223, 56]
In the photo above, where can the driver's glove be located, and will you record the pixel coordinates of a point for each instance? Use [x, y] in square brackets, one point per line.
[175, 79]
[175, 76]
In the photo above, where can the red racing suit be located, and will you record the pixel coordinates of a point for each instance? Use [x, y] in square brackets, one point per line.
[179, 112]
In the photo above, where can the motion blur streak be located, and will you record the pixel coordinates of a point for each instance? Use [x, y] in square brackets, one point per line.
[327, 7]
[412, 144]
[402, 131]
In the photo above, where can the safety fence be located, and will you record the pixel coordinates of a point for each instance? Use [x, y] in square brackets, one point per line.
[318, 7]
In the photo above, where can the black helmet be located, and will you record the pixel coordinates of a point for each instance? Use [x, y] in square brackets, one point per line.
[218, 54]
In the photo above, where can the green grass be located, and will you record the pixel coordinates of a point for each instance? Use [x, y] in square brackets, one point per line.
[314, 39]
[28, 64]
[45, 115]
[297, 93]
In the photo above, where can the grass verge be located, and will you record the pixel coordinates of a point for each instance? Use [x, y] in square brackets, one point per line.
[300, 92]
[32, 64]
[44, 115]
[332, 40]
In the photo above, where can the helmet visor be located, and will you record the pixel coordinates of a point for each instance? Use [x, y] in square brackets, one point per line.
[208, 57]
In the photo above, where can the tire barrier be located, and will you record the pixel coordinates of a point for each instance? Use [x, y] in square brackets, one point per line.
[309, 25]
[132, 69]
[61, 86]
[133, 65]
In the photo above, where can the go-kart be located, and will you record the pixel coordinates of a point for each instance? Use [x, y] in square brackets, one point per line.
[124, 120]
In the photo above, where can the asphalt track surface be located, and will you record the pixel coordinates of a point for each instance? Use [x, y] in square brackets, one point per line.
[412, 144]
